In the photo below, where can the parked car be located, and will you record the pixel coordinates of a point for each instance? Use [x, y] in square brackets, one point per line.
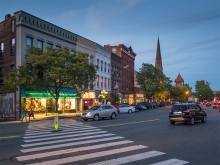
[100, 111]
[141, 104]
[216, 105]
[157, 104]
[186, 112]
[162, 104]
[153, 105]
[135, 106]
[126, 108]
[208, 104]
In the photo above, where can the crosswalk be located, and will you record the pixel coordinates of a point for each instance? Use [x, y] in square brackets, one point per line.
[77, 143]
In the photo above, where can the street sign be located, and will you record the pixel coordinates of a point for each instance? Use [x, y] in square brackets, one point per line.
[56, 121]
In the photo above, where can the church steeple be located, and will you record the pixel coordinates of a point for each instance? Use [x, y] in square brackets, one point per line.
[158, 62]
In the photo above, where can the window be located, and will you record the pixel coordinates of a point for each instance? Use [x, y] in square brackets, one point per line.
[12, 66]
[108, 68]
[91, 60]
[114, 50]
[13, 46]
[2, 50]
[98, 63]
[101, 81]
[40, 44]
[50, 45]
[97, 81]
[1, 75]
[105, 83]
[108, 83]
[58, 46]
[12, 26]
[101, 65]
[29, 43]
[105, 67]
[72, 52]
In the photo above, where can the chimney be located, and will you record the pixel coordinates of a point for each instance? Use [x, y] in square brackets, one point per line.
[7, 16]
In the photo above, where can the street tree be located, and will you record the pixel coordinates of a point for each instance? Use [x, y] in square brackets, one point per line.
[203, 90]
[152, 80]
[114, 98]
[179, 93]
[53, 70]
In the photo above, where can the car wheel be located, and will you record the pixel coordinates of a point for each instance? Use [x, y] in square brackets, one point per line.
[96, 118]
[85, 119]
[192, 121]
[129, 111]
[113, 116]
[172, 122]
[204, 119]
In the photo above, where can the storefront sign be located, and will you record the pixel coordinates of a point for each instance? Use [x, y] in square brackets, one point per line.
[90, 95]
[104, 92]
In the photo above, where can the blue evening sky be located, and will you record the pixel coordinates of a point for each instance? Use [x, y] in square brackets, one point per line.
[189, 30]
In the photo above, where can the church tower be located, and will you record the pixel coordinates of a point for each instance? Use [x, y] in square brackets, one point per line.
[158, 62]
[179, 80]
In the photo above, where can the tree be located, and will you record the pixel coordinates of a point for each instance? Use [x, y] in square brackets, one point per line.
[114, 99]
[152, 80]
[179, 93]
[217, 94]
[53, 70]
[203, 90]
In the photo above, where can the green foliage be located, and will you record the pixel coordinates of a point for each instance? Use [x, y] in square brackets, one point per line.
[217, 94]
[53, 70]
[114, 99]
[203, 91]
[152, 80]
[179, 93]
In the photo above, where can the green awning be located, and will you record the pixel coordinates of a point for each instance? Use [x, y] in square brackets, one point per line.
[31, 93]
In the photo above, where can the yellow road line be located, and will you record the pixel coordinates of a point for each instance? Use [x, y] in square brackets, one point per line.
[8, 137]
[144, 121]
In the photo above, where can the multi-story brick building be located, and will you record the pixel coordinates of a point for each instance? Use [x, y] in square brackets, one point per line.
[127, 71]
[22, 30]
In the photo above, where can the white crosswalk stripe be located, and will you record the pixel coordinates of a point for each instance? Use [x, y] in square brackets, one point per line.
[44, 146]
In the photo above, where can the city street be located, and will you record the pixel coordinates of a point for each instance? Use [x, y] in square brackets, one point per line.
[140, 138]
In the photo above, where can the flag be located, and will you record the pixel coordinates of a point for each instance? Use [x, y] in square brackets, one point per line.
[116, 86]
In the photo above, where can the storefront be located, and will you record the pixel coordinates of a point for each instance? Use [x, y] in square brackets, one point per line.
[102, 97]
[44, 102]
[139, 98]
[88, 100]
[130, 99]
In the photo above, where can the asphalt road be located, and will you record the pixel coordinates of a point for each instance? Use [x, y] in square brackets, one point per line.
[194, 145]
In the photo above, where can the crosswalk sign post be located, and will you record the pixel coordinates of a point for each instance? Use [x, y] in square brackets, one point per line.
[56, 121]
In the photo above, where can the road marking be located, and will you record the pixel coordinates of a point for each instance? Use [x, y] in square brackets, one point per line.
[131, 158]
[8, 137]
[69, 144]
[51, 128]
[66, 140]
[65, 136]
[144, 121]
[171, 162]
[60, 133]
[90, 156]
[72, 150]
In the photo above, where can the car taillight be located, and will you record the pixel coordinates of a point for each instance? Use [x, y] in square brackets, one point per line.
[186, 111]
[171, 111]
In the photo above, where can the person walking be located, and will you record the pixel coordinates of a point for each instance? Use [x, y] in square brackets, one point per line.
[23, 115]
[31, 113]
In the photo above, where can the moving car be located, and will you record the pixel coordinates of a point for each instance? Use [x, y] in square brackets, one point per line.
[216, 105]
[208, 104]
[100, 111]
[124, 108]
[186, 112]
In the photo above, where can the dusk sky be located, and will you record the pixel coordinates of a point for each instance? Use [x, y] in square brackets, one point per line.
[189, 30]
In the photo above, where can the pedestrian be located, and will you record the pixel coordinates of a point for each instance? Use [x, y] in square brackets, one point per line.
[31, 113]
[23, 115]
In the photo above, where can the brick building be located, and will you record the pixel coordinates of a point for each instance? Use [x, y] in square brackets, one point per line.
[127, 71]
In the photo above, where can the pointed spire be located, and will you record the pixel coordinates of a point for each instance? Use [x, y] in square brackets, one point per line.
[158, 61]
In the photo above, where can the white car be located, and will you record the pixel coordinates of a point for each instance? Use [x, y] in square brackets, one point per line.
[124, 108]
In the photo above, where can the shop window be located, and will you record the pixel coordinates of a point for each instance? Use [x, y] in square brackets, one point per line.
[12, 46]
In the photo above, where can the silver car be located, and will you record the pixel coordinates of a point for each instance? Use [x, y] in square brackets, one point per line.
[100, 112]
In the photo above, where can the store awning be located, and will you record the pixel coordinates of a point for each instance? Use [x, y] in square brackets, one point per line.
[31, 93]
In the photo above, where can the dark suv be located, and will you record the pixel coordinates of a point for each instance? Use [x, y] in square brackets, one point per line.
[186, 112]
[145, 104]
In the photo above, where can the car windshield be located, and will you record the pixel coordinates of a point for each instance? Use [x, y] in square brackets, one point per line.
[179, 107]
[95, 107]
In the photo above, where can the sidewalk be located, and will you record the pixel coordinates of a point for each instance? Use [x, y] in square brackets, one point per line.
[39, 117]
